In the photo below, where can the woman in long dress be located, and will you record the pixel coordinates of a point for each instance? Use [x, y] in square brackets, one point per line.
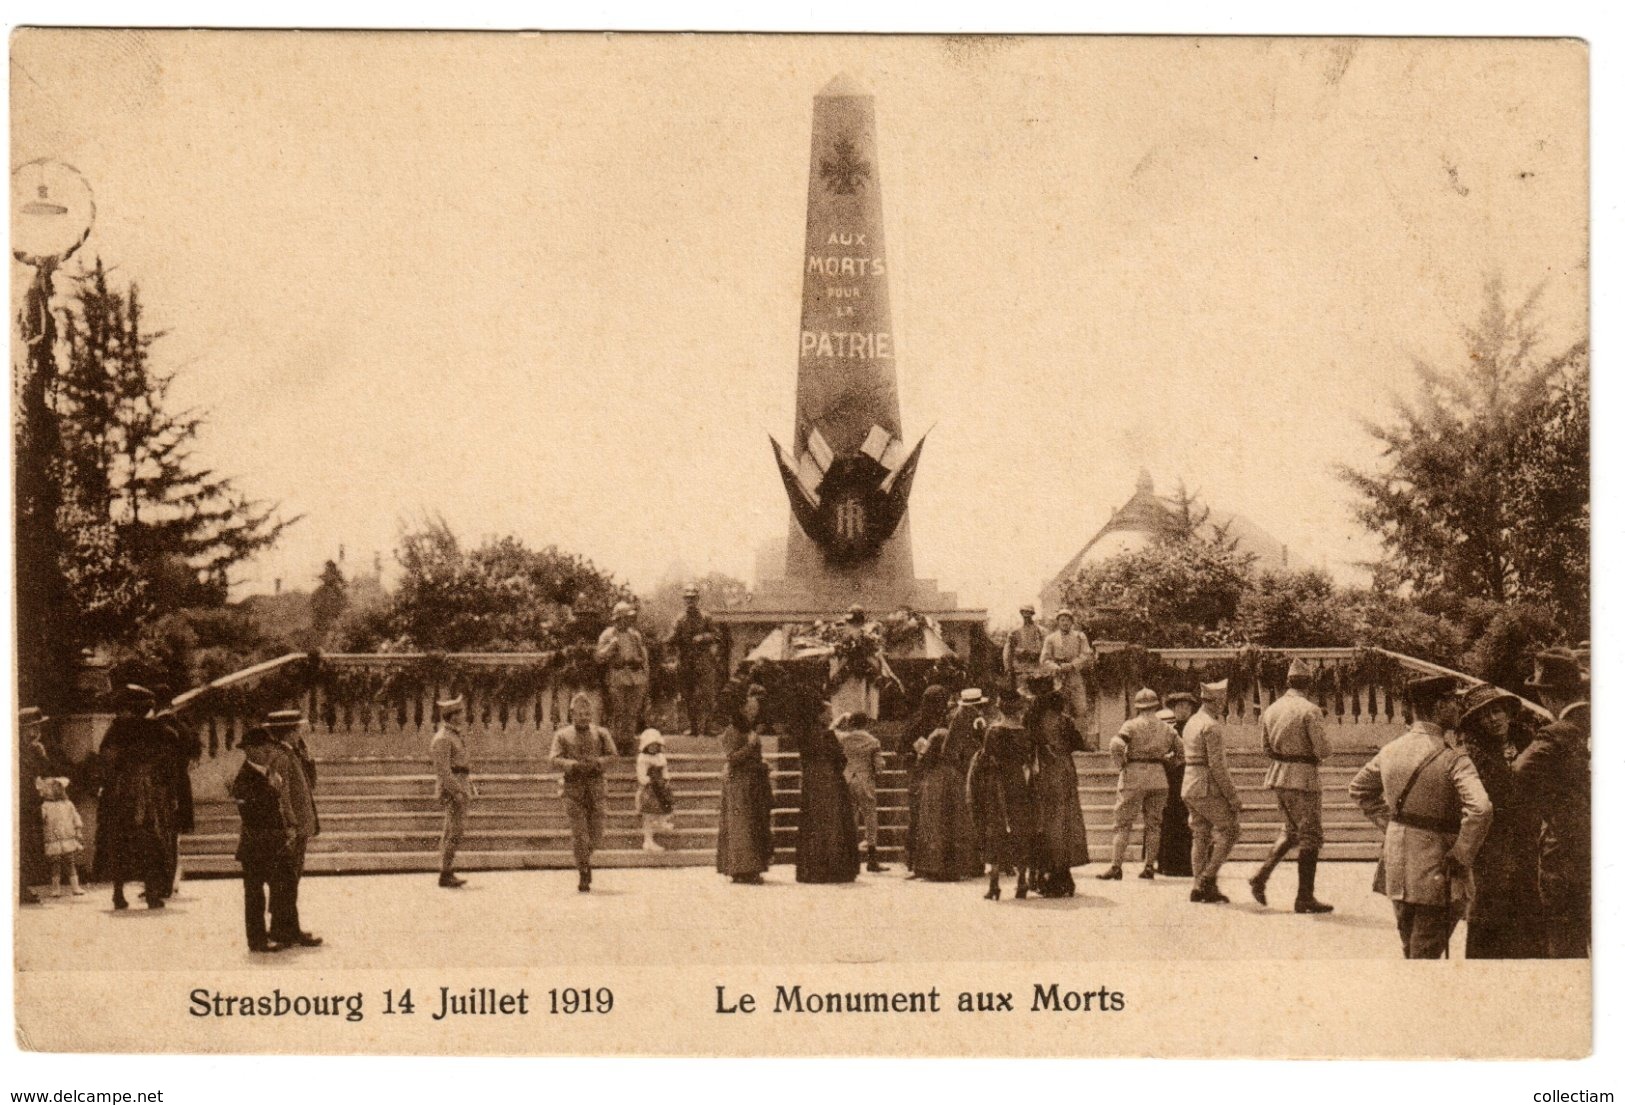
[827, 836]
[945, 844]
[139, 806]
[1060, 840]
[1503, 920]
[1001, 798]
[745, 835]
[1174, 857]
[931, 716]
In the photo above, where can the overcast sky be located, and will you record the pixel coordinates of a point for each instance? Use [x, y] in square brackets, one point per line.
[551, 287]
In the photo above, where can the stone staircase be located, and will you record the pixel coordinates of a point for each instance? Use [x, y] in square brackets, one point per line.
[379, 814]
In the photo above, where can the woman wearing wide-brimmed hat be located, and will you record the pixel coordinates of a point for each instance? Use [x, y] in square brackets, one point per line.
[1060, 841]
[1503, 921]
[945, 845]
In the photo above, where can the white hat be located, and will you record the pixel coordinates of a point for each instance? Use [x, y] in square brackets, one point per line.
[450, 705]
[1216, 692]
[622, 608]
[1146, 699]
[971, 696]
[648, 737]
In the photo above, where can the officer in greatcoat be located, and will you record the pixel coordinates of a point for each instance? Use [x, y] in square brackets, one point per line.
[1210, 794]
[1023, 648]
[291, 756]
[453, 785]
[1295, 742]
[701, 651]
[1141, 750]
[1555, 772]
[1426, 797]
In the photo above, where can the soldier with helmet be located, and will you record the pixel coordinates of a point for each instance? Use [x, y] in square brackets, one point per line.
[1023, 648]
[1141, 749]
[624, 656]
[1427, 799]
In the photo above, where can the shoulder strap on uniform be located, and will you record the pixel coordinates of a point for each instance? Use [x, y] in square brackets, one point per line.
[1399, 806]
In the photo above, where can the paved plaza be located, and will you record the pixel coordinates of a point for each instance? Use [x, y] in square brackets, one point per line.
[655, 916]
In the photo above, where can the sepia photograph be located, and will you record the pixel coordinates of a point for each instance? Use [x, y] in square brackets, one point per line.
[797, 545]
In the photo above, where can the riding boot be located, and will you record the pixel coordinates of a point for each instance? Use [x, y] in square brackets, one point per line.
[1021, 882]
[993, 885]
[1258, 882]
[585, 883]
[1308, 861]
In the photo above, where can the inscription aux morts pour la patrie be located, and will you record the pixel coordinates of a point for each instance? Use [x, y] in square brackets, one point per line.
[845, 344]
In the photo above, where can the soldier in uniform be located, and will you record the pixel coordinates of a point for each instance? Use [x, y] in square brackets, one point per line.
[291, 757]
[1295, 742]
[1434, 813]
[1555, 773]
[579, 750]
[1023, 648]
[1141, 749]
[625, 659]
[453, 788]
[698, 644]
[1066, 652]
[1210, 794]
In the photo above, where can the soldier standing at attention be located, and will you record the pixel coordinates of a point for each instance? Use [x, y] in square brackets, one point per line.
[1141, 749]
[1023, 648]
[1295, 742]
[1067, 651]
[1427, 799]
[579, 750]
[698, 645]
[1210, 794]
[453, 788]
[1555, 771]
[625, 658]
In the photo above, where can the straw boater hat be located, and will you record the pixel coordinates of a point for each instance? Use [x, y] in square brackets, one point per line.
[972, 696]
[283, 719]
[450, 706]
[1557, 669]
[1215, 692]
[1146, 699]
[31, 715]
[1485, 696]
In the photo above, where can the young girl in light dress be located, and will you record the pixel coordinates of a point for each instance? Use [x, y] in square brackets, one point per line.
[655, 801]
[62, 829]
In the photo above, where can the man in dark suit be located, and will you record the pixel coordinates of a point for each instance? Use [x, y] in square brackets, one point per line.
[1555, 773]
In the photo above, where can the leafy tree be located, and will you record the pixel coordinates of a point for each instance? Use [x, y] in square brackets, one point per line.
[499, 596]
[1174, 592]
[1294, 609]
[1482, 486]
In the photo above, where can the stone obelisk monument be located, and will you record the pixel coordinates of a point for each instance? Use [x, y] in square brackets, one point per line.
[848, 471]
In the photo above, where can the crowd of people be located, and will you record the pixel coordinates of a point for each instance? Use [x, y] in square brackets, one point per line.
[1485, 818]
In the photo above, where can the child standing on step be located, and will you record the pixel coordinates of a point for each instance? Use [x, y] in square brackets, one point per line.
[655, 800]
[62, 829]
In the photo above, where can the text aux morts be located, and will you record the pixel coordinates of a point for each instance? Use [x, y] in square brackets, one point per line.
[1044, 998]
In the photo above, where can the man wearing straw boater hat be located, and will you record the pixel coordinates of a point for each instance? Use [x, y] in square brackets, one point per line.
[1555, 771]
[1210, 794]
[1141, 748]
[453, 788]
[1427, 799]
[1295, 742]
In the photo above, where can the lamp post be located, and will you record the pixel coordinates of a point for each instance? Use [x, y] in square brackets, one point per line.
[51, 213]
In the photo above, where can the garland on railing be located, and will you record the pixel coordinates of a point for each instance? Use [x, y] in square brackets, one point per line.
[275, 690]
[443, 673]
[1249, 670]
